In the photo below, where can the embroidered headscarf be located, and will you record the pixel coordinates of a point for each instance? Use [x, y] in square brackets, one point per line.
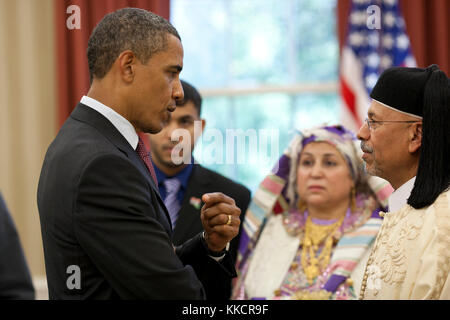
[342, 139]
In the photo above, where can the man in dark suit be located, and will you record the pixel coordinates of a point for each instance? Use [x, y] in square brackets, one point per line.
[192, 180]
[15, 278]
[105, 229]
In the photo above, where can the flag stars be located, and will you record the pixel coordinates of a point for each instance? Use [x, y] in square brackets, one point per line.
[402, 42]
[373, 60]
[358, 18]
[389, 19]
[378, 49]
[386, 61]
[389, 2]
[373, 39]
[356, 39]
[410, 61]
[388, 41]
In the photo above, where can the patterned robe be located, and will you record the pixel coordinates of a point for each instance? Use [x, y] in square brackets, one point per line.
[411, 255]
[274, 269]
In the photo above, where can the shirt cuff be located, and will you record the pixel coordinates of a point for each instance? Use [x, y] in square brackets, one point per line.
[216, 256]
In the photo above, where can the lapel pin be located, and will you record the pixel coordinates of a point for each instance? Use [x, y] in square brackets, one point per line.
[196, 202]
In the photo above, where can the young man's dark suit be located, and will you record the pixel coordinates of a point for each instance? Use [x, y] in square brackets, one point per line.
[101, 211]
[189, 224]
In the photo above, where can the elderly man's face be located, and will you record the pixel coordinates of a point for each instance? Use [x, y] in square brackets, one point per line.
[385, 145]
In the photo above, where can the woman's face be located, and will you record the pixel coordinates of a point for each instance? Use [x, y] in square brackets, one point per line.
[323, 176]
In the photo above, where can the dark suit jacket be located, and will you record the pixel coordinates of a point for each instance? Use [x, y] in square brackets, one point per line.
[15, 278]
[101, 212]
[189, 223]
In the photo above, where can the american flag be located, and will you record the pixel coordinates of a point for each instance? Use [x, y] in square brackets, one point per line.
[376, 40]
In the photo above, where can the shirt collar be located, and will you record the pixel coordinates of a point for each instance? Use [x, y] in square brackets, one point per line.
[399, 197]
[183, 175]
[125, 128]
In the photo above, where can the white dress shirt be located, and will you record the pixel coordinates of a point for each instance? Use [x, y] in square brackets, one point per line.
[122, 125]
[399, 197]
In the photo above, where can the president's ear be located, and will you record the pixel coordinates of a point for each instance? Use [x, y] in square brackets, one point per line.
[126, 64]
[415, 134]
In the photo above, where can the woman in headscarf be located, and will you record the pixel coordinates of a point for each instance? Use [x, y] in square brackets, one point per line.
[311, 223]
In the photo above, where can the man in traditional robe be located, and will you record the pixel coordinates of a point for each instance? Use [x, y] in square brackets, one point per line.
[406, 140]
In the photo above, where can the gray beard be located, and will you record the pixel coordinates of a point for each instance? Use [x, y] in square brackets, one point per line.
[375, 171]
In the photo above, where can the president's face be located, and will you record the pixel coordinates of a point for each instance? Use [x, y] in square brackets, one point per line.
[156, 88]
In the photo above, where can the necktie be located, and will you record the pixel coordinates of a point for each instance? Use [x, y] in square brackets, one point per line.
[172, 186]
[146, 158]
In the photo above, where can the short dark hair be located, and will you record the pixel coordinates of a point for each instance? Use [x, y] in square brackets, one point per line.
[138, 30]
[190, 94]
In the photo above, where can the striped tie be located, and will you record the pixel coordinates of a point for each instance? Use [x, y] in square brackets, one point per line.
[146, 158]
[172, 186]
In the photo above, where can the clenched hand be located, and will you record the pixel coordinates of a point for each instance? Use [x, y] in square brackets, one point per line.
[220, 219]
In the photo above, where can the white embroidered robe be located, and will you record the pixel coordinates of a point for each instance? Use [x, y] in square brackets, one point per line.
[411, 255]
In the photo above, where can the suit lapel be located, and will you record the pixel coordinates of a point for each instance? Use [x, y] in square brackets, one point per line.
[88, 115]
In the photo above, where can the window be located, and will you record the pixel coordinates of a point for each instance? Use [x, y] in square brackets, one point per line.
[265, 67]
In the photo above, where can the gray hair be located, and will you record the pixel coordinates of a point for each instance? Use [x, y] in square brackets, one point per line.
[138, 30]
